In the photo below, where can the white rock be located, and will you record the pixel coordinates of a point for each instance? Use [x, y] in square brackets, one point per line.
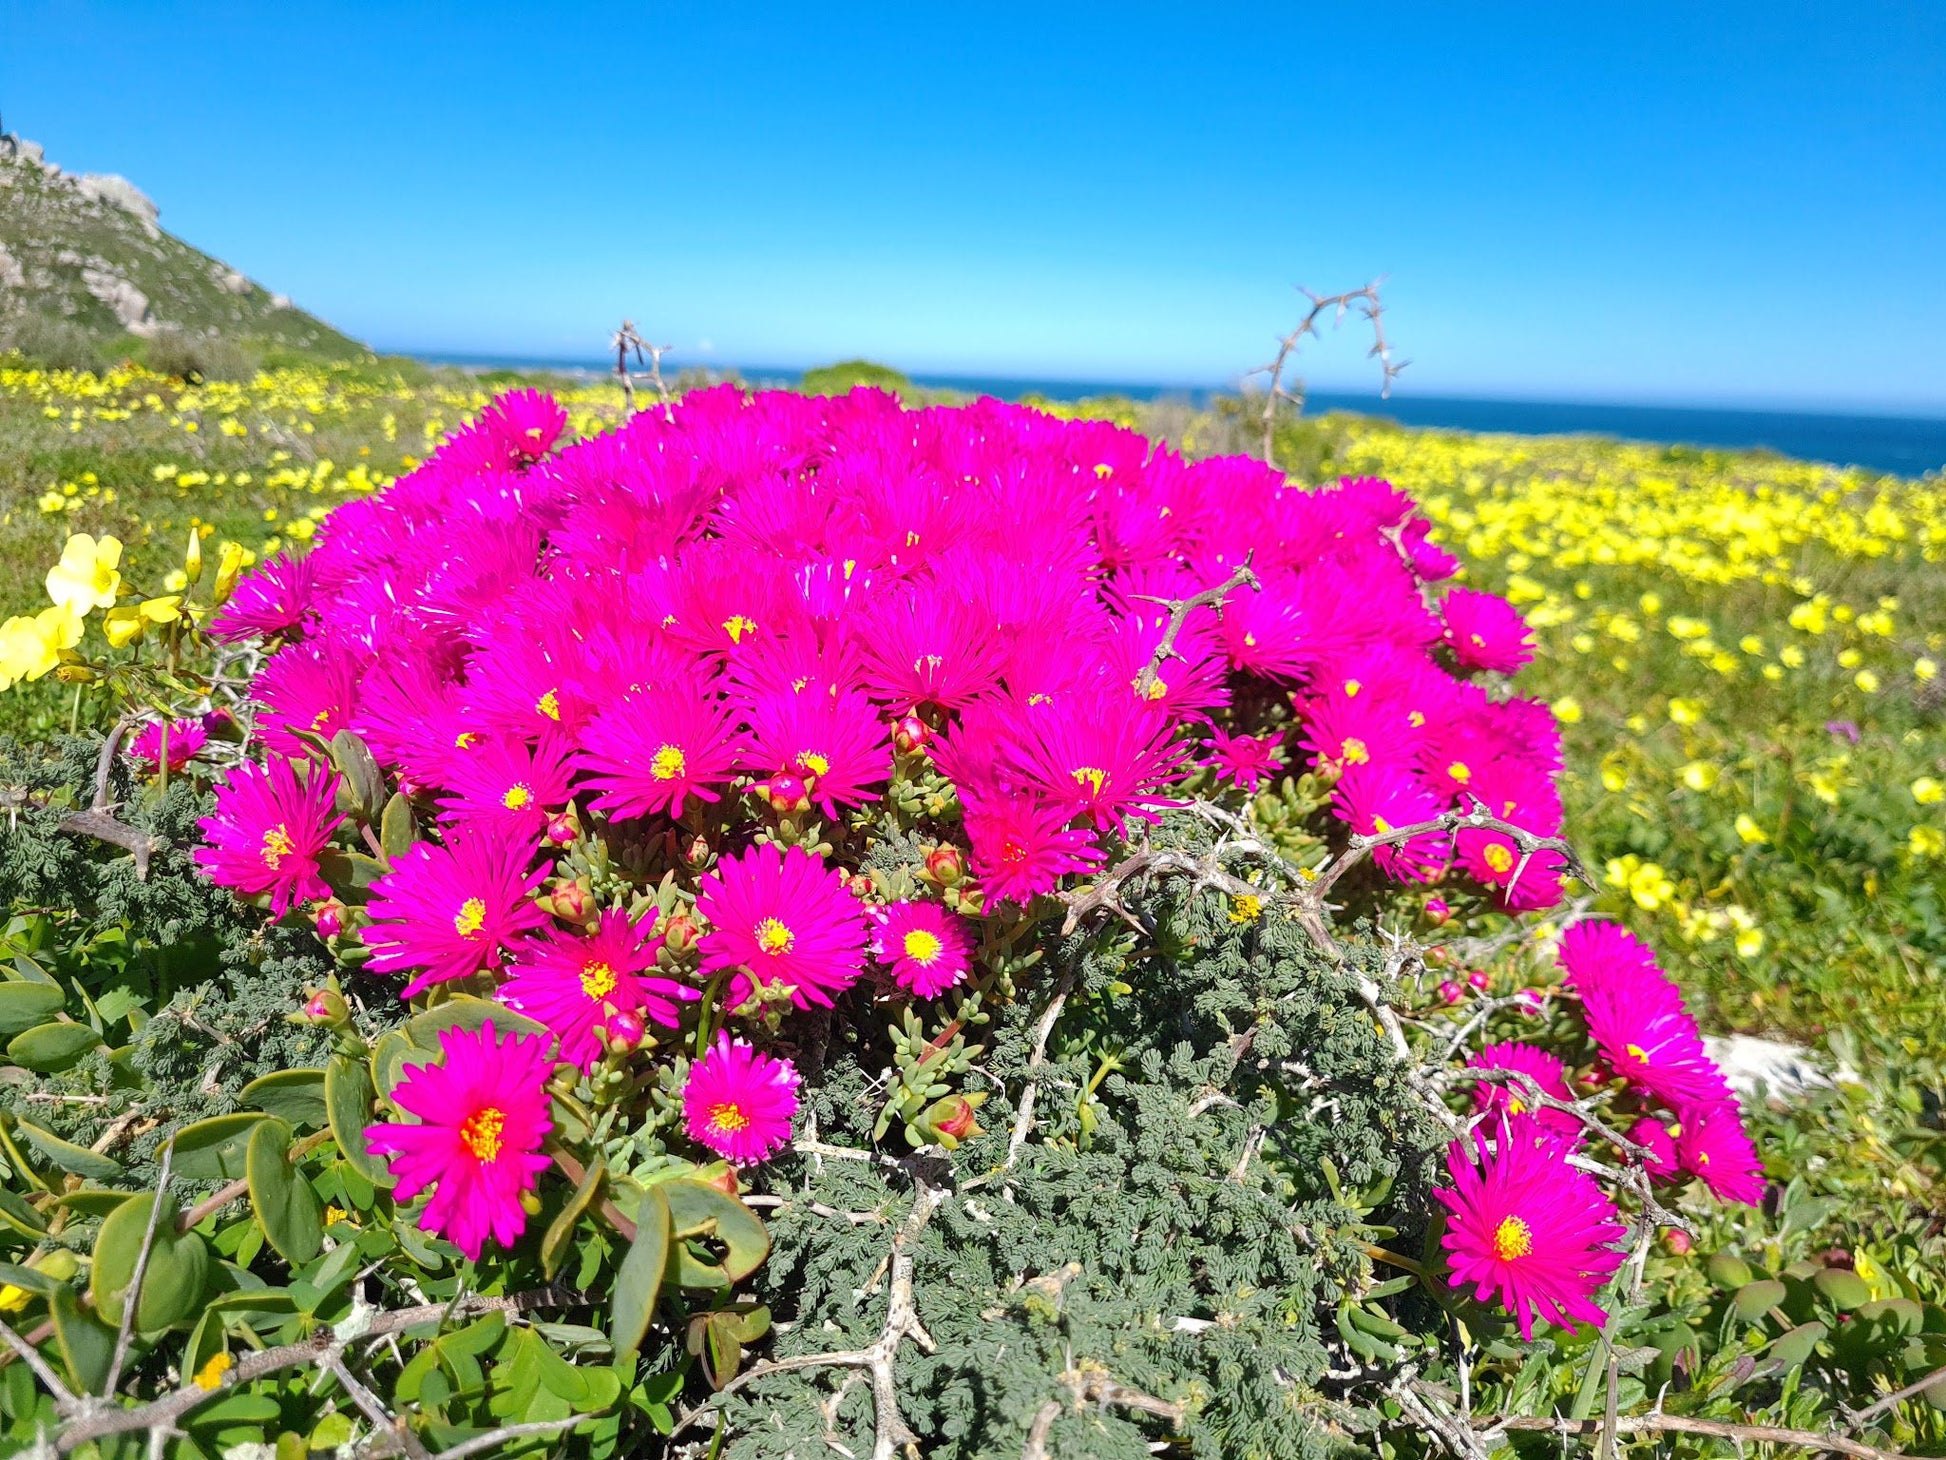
[119, 192]
[12, 275]
[280, 301]
[1757, 1067]
[130, 304]
[231, 281]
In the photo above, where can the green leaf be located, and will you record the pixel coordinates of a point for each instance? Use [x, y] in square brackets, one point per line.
[1753, 1300]
[294, 1096]
[206, 1341]
[178, 1270]
[349, 874]
[639, 1280]
[1727, 1270]
[215, 1149]
[463, 1011]
[1842, 1288]
[93, 1201]
[703, 1211]
[27, 1279]
[348, 1101]
[1798, 1345]
[32, 972]
[397, 829]
[362, 778]
[22, 1218]
[554, 1246]
[48, 1049]
[23, 1005]
[286, 1207]
[391, 1053]
[87, 1344]
[87, 1164]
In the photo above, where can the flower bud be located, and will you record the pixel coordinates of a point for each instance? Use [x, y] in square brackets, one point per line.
[910, 733]
[1437, 911]
[75, 674]
[324, 1007]
[218, 721]
[784, 792]
[572, 902]
[1450, 992]
[228, 569]
[329, 917]
[1436, 956]
[624, 1030]
[950, 1120]
[192, 560]
[724, 1180]
[860, 884]
[530, 1203]
[679, 934]
[946, 865]
[1532, 1000]
[562, 829]
[1677, 1241]
[1478, 980]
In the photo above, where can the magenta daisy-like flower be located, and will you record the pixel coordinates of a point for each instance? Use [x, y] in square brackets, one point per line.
[518, 427]
[738, 1102]
[1022, 848]
[656, 748]
[1538, 1065]
[310, 687]
[574, 984]
[1636, 1016]
[1095, 756]
[1715, 1148]
[926, 947]
[276, 599]
[482, 1108]
[1661, 1159]
[1245, 761]
[450, 911]
[833, 740]
[184, 740]
[1376, 799]
[1527, 1230]
[1485, 631]
[504, 787]
[782, 917]
[269, 830]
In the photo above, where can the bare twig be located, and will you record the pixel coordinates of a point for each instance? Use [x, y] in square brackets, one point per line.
[626, 341]
[1043, 1029]
[64, 1399]
[1179, 612]
[1676, 1424]
[132, 1298]
[1092, 1386]
[369, 1404]
[1367, 303]
[494, 1439]
[1857, 1420]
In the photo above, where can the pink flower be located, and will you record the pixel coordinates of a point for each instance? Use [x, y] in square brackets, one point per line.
[655, 749]
[451, 911]
[1485, 631]
[738, 1102]
[504, 787]
[575, 984]
[482, 1109]
[518, 428]
[185, 739]
[1714, 1147]
[269, 831]
[1376, 800]
[311, 687]
[834, 740]
[782, 917]
[926, 947]
[1528, 1230]
[1661, 1160]
[1245, 761]
[275, 599]
[1022, 848]
[1538, 1065]
[1635, 1015]
[1092, 756]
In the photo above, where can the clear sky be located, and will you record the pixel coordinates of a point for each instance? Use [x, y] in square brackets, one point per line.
[1676, 202]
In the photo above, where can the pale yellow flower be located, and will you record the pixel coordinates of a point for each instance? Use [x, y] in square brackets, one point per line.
[86, 578]
[1567, 710]
[1699, 775]
[1928, 792]
[1752, 834]
[1926, 841]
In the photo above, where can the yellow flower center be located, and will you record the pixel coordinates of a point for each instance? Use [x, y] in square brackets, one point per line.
[1352, 687]
[1356, 751]
[1460, 771]
[816, 764]
[277, 845]
[517, 796]
[922, 946]
[1635, 1051]
[728, 1118]
[1012, 853]
[773, 937]
[597, 980]
[737, 625]
[1093, 777]
[1512, 1238]
[1498, 857]
[464, 740]
[481, 1132]
[1380, 826]
[549, 705]
[470, 918]
[1157, 689]
[667, 763]
[1516, 1106]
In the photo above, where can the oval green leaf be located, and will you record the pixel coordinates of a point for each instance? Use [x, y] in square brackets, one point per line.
[1842, 1288]
[554, 1246]
[23, 1004]
[639, 1280]
[703, 1211]
[293, 1096]
[88, 1165]
[48, 1049]
[286, 1207]
[464, 1011]
[1798, 1345]
[178, 1270]
[86, 1343]
[348, 1102]
[391, 1053]
[1753, 1300]
[22, 1218]
[93, 1201]
[216, 1149]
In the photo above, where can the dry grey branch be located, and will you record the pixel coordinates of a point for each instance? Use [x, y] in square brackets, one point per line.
[1367, 303]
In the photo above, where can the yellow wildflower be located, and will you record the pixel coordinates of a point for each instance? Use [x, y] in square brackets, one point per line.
[1752, 834]
[1928, 792]
[1699, 775]
[1685, 712]
[1926, 841]
[86, 578]
[1567, 710]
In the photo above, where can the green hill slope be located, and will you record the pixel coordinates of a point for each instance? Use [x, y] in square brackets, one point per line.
[87, 275]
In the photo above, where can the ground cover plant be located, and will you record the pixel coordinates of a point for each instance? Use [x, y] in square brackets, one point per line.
[1108, 1123]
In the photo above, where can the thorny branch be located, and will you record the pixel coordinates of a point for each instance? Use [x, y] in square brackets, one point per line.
[99, 820]
[1179, 612]
[1366, 302]
[1097, 1388]
[626, 341]
[1677, 1424]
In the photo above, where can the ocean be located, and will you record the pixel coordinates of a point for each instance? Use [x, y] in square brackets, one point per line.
[1907, 445]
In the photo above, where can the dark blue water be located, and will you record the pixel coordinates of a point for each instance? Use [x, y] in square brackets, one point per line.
[1907, 445]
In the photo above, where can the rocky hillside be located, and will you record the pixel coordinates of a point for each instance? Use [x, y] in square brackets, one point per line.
[85, 265]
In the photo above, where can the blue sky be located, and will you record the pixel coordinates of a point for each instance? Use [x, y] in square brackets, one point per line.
[1665, 202]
